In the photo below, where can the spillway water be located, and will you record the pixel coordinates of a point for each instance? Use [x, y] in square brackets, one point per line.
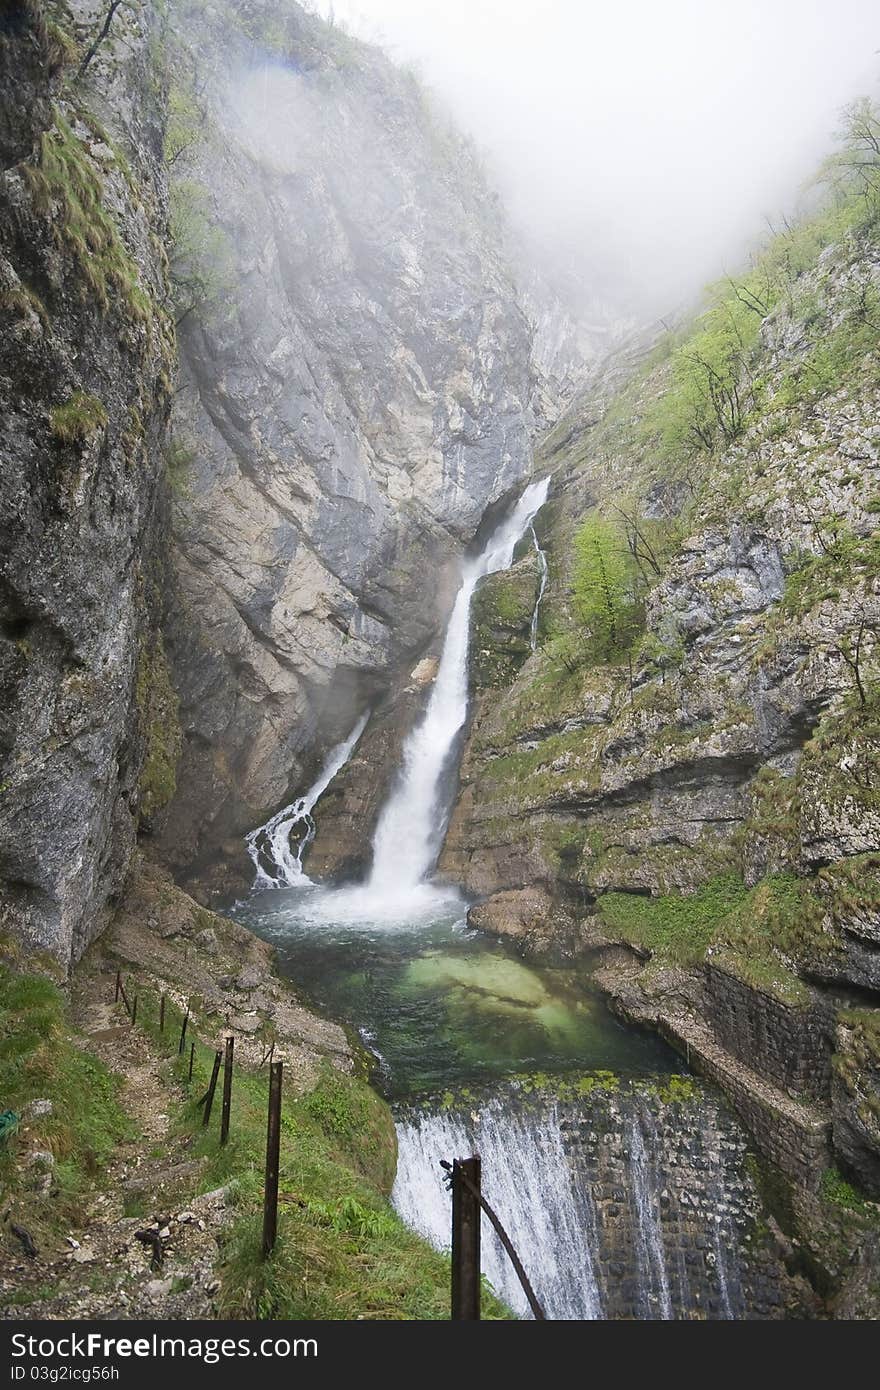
[621, 1204]
[520, 1159]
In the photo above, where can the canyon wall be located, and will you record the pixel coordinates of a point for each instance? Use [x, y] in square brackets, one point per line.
[682, 781]
[86, 366]
[190, 618]
[356, 387]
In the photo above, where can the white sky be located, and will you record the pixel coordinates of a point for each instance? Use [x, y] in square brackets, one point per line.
[643, 140]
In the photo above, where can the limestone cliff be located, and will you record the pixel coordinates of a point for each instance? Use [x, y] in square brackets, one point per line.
[356, 387]
[352, 381]
[684, 777]
[86, 353]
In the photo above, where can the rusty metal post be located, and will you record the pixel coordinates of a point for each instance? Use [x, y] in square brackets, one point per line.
[192, 1054]
[183, 1034]
[227, 1089]
[118, 986]
[208, 1098]
[162, 1014]
[466, 1240]
[273, 1150]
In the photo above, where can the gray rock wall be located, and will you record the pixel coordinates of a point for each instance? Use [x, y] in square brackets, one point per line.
[85, 356]
[790, 1046]
[349, 404]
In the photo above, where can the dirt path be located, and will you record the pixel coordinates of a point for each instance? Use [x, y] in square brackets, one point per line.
[102, 1269]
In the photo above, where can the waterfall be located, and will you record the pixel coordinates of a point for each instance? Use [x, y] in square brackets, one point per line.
[412, 824]
[270, 843]
[529, 1183]
[413, 821]
[542, 561]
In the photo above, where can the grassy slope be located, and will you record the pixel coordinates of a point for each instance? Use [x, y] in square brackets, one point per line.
[342, 1251]
[40, 1059]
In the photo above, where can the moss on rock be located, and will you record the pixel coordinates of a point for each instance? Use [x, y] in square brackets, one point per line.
[157, 706]
[78, 418]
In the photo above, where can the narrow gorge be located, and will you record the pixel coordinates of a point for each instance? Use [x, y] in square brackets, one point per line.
[458, 687]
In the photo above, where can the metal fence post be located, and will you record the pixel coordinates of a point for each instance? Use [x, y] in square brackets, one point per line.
[227, 1089]
[208, 1098]
[273, 1150]
[466, 1239]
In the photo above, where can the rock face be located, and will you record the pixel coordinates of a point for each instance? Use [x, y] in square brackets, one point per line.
[85, 355]
[355, 387]
[703, 805]
[353, 396]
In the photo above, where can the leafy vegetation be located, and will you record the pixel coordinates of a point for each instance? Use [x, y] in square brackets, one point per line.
[835, 1189]
[716, 386]
[604, 584]
[201, 254]
[185, 123]
[676, 925]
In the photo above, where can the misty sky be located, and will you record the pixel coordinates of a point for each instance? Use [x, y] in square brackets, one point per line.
[643, 141]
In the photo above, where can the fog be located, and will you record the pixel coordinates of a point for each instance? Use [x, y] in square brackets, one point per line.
[642, 144]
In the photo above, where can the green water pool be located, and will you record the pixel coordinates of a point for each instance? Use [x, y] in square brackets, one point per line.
[440, 1004]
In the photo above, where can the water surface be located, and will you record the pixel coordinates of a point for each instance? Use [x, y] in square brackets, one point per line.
[439, 1003]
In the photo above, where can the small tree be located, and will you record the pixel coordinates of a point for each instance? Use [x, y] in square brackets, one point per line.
[860, 140]
[102, 31]
[202, 261]
[604, 587]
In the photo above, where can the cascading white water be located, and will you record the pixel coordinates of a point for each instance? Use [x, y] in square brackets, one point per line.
[542, 562]
[654, 1282]
[614, 1209]
[413, 821]
[411, 826]
[270, 845]
[552, 1227]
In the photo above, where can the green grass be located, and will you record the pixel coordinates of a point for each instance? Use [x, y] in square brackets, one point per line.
[342, 1251]
[751, 928]
[78, 418]
[67, 186]
[676, 926]
[40, 1058]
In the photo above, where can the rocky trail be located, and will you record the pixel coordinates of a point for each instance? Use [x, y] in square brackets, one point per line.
[103, 1268]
